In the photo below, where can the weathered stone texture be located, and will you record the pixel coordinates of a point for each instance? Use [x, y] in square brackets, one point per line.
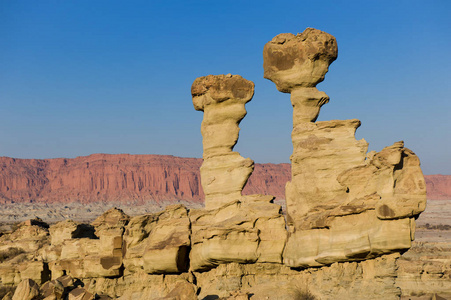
[246, 231]
[350, 213]
[342, 203]
[223, 172]
[158, 243]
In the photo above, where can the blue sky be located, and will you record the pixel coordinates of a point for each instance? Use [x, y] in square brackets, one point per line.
[83, 77]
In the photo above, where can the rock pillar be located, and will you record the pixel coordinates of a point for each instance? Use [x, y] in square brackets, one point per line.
[224, 172]
[342, 203]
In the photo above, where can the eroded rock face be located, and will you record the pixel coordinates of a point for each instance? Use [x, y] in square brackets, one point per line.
[246, 231]
[371, 279]
[342, 203]
[158, 243]
[148, 178]
[26, 290]
[296, 64]
[349, 213]
[232, 227]
[96, 255]
[223, 172]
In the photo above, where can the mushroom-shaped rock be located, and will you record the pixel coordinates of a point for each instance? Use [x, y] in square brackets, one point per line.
[224, 172]
[342, 203]
[222, 99]
[296, 64]
[219, 88]
[302, 60]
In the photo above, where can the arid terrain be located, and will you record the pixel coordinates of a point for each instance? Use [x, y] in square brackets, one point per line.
[348, 227]
[84, 187]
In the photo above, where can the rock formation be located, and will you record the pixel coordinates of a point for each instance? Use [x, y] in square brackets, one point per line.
[223, 172]
[159, 179]
[232, 227]
[350, 213]
[342, 204]
[120, 178]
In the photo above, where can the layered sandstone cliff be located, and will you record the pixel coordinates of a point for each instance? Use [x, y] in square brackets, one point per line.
[138, 177]
[438, 187]
[120, 178]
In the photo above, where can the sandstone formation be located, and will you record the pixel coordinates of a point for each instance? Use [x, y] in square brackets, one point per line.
[350, 214]
[232, 227]
[246, 231]
[342, 203]
[426, 270]
[223, 172]
[101, 177]
[158, 243]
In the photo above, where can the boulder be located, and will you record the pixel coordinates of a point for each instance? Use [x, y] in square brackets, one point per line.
[80, 294]
[246, 231]
[158, 243]
[69, 229]
[100, 256]
[26, 290]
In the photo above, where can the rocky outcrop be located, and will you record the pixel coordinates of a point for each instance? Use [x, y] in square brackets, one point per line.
[425, 270]
[223, 172]
[232, 227]
[248, 230]
[342, 203]
[101, 177]
[158, 243]
[350, 214]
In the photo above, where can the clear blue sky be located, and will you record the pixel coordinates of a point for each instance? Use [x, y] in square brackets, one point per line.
[82, 77]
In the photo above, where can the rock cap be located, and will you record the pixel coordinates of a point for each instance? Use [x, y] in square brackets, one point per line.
[300, 60]
[220, 88]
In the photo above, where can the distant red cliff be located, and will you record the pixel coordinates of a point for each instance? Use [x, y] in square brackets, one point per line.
[121, 177]
[438, 187]
[138, 178]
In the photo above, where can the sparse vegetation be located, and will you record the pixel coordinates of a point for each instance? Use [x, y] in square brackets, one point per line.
[437, 227]
[10, 253]
[302, 293]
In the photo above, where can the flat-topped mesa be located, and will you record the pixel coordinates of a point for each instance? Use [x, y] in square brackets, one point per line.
[224, 172]
[296, 64]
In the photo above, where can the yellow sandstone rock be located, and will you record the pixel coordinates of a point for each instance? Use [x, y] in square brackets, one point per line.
[223, 172]
[342, 203]
[244, 231]
[158, 243]
[26, 290]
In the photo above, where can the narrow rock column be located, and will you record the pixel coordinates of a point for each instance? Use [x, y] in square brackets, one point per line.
[224, 172]
[296, 64]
